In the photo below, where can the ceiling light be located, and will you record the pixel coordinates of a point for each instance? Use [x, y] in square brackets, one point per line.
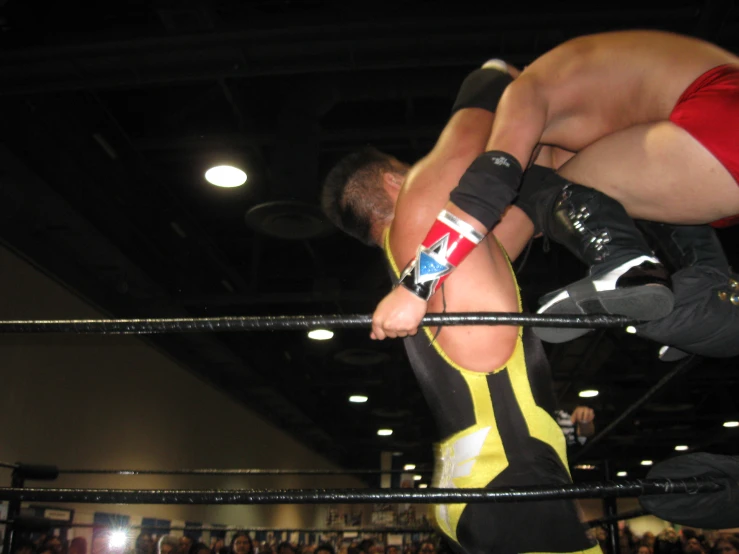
[422, 485]
[417, 477]
[621, 474]
[590, 393]
[226, 176]
[586, 467]
[320, 334]
[647, 462]
[409, 467]
[397, 453]
[384, 432]
[731, 423]
[631, 330]
[358, 398]
[117, 539]
[681, 448]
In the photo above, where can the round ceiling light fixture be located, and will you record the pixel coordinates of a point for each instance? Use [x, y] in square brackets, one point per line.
[320, 334]
[226, 176]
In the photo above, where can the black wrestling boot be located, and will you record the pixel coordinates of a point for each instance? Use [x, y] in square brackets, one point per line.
[681, 246]
[624, 277]
[705, 319]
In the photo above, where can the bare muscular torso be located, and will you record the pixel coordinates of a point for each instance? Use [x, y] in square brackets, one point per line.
[598, 84]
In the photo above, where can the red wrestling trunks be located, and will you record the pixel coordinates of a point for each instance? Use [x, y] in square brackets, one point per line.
[709, 111]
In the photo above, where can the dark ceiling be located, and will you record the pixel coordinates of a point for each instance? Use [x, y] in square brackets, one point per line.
[112, 111]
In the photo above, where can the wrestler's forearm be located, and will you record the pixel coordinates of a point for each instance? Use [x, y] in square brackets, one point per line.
[514, 232]
[519, 121]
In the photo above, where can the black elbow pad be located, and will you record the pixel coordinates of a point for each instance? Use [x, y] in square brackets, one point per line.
[482, 89]
[488, 187]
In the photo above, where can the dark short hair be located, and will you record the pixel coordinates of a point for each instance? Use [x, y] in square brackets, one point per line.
[241, 534]
[350, 194]
[196, 547]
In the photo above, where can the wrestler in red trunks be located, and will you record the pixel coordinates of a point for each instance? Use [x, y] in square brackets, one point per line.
[709, 111]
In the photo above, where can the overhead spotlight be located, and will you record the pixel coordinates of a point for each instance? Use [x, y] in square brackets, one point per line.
[621, 474]
[384, 432]
[586, 467]
[226, 176]
[320, 334]
[681, 448]
[417, 477]
[409, 467]
[631, 330]
[647, 462]
[358, 398]
[422, 486]
[117, 540]
[731, 423]
[589, 393]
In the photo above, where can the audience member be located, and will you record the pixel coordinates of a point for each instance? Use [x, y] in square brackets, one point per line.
[144, 544]
[78, 545]
[185, 544]
[199, 548]
[168, 545]
[726, 544]
[326, 548]
[241, 543]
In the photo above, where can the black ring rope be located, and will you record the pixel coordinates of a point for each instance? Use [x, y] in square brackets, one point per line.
[217, 472]
[624, 488]
[307, 322]
[8, 465]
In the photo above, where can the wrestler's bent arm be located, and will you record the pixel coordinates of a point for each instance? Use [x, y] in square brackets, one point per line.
[485, 190]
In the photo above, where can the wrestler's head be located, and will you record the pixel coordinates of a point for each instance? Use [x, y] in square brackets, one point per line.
[360, 191]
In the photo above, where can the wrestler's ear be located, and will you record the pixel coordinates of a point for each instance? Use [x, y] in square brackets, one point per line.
[392, 182]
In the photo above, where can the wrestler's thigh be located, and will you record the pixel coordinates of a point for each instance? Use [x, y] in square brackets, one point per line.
[659, 172]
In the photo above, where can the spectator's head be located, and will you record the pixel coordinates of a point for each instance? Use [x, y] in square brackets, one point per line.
[53, 543]
[185, 544]
[366, 546]
[241, 543]
[391, 549]
[77, 545]
[324, 548]
[693, 546]
[199, 548]
[727, 545]
[168, 545]
[144, 544]
[286, 548]
[427, 547]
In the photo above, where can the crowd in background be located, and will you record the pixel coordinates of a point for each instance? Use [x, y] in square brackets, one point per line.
[669, 541]
[240, 543]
